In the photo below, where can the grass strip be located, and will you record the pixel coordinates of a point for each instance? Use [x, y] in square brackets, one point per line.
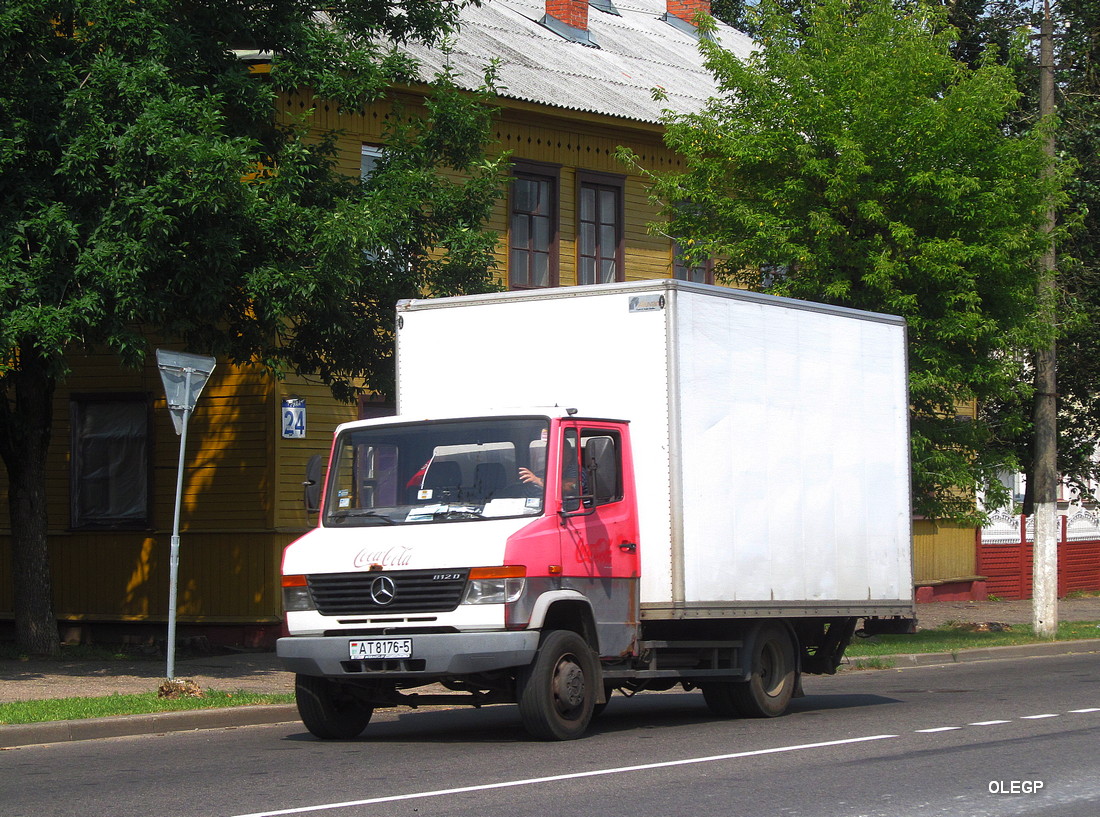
[144, 703]
[957, 637]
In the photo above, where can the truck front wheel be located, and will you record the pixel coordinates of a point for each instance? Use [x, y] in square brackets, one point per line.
[328, 711]
[557, 692]
[774, 674]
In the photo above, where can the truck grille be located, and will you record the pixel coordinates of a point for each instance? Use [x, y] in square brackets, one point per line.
[374, 592]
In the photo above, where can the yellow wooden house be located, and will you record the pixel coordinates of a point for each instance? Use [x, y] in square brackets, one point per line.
[576, 82]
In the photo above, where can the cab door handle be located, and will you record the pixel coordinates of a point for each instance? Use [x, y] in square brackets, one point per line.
[628, 547]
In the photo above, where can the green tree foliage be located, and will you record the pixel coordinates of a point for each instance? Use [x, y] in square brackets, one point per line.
[1077, 56]
[983, 23]
[148, 189]
[1078, 63]
[853, 160]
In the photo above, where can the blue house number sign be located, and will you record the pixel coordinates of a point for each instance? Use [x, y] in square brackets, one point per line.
[294, 418]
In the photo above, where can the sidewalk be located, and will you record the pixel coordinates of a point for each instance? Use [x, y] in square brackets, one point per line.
[263, 673]
[937, 613]
[40, 679]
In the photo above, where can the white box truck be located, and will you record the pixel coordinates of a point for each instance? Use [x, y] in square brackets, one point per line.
[624, 486]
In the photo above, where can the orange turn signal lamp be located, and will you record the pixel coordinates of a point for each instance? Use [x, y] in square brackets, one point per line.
[505, 572]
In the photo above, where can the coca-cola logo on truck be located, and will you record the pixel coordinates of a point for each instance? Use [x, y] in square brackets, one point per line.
[391, 557]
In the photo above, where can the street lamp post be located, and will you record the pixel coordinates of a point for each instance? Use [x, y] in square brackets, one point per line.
[183, 376]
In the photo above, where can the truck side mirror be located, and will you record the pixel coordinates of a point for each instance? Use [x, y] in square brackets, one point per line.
[311, 487]
[600, 482]
[602, 467]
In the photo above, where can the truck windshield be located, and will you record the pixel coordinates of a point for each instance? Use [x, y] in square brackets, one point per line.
[421, 473]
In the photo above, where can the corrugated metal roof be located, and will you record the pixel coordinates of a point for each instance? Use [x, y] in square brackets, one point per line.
[637, 52]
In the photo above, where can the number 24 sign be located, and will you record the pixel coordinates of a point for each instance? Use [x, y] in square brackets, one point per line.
[294, 418]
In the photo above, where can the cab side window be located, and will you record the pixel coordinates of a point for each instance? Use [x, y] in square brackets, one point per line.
[602, 465]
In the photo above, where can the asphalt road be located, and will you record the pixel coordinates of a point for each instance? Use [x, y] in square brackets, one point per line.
[992, 738]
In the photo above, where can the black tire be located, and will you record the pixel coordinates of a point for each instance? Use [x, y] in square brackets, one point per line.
[598, 708]
[327, 710]
[720, 699]
[774, 674]
[557, 692]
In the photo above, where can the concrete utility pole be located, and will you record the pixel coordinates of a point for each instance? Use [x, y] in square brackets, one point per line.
[1045, 465]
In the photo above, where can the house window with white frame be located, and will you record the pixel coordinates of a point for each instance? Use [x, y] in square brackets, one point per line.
[368, 160]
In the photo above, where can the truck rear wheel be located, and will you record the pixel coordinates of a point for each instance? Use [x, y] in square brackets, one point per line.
[720, 699]
[774, 674]
[557, 692]
[328, 711]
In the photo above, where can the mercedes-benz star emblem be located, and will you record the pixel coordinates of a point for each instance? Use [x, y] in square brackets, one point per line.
[382, 590]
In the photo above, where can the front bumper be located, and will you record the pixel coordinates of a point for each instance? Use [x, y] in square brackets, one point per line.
[437, 655]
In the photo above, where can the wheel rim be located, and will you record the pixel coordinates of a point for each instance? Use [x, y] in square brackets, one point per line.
[568, 687]
[773, 676]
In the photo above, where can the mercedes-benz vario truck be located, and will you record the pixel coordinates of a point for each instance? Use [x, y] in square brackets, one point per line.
[617, 487]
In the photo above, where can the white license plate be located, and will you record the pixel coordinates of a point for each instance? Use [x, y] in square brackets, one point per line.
[380, 648]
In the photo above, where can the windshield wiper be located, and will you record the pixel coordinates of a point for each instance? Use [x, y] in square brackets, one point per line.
[361, 514]
[458, 513]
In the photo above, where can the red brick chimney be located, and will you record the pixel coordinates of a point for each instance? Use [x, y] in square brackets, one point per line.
[573, 12]
[684, 9]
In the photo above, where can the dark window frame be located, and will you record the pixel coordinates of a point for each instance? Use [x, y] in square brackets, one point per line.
[78, 405]
[540, 172]
[682, 272]
[602, 182]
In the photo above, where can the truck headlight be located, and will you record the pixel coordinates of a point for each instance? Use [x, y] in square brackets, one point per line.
[296, 595]
[495, 585]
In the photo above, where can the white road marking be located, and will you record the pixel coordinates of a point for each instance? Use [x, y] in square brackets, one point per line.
[1038, 717]
[987, 723]
[939, 729]
[1090, 709]
[574, 776]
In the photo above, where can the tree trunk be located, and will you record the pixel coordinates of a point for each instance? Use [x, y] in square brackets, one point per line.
[26, 417]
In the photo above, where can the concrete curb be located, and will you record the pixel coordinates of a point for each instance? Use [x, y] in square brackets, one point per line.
[932, 659]
[32, 734]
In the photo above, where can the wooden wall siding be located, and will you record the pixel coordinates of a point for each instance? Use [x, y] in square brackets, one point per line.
[290, 456]
[228, 480]
[942, 552]
[223, 577]
[228, 470]
[592, 146]
[571, 140]
[227, 464]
